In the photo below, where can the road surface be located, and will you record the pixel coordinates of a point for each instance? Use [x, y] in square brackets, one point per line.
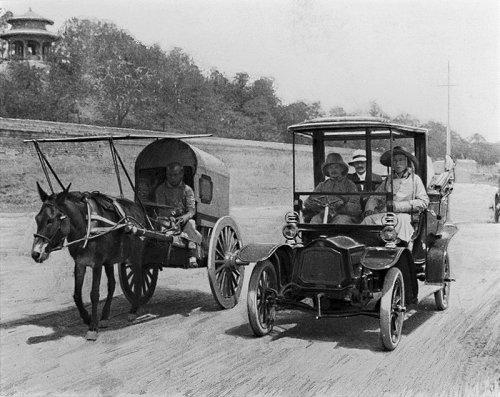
[183, 345]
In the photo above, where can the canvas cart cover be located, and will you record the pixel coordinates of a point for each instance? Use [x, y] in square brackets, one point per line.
[207, 175]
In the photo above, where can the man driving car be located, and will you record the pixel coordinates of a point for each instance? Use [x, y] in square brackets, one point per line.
[341, 208]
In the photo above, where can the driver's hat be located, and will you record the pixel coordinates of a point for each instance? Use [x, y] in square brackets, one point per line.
[334, 158]
[358, 155]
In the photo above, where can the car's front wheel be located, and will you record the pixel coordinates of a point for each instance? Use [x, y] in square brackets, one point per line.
[260, 300]
[392, 308]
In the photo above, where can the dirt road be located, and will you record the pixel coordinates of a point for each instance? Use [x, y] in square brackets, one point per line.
[185, 346]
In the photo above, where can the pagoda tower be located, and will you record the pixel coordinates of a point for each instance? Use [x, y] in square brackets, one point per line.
[28, 37]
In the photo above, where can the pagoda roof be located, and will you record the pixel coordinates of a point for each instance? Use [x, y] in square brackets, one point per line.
[30, 16]
[28, 32]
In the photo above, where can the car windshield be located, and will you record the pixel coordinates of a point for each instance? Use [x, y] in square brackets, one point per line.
[338, 181]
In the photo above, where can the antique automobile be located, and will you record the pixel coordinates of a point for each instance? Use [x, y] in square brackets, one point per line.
[164, 244]
[340, 270]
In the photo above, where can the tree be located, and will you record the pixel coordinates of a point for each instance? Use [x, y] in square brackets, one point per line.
[376, 111]
[337, 111]
[406, 119]
[181, 93]
[481, 151]
[23, 93]
[295, 113]
[239, 91]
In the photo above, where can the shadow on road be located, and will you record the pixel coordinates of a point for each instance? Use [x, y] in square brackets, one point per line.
[166, 302]
[351, 332]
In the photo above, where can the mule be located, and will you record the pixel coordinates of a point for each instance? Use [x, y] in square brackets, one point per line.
[63, 217]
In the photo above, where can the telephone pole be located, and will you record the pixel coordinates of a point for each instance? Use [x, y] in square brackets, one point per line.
[448, 134]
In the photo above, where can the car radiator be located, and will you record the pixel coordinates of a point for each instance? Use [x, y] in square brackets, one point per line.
[321, 265]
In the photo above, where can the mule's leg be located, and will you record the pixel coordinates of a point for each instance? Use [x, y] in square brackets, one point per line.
[79, 274]
[94, 298]
[110, 274]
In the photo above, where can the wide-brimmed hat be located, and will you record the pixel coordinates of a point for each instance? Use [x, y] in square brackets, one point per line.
[385, 159]
[334, 158]
[358, 155]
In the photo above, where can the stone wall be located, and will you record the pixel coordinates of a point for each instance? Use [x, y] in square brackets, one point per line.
[14, 131]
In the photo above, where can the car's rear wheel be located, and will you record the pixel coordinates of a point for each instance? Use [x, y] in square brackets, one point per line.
[392, 307]
[260, 300]
[442, 297]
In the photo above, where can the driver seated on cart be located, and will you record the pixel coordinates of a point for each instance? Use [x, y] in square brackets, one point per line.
[342, 209]
[179, 197]
[410, 195]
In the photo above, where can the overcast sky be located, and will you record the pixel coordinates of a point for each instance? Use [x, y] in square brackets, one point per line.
[341, 53]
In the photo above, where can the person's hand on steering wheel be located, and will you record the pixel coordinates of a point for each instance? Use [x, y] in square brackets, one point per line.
[181, 220]
[368, 213]
[335, 205]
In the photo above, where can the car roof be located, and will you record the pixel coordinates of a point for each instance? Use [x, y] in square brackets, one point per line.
[353, 126]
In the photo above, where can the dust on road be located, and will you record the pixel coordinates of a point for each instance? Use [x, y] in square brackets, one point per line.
[186, 346]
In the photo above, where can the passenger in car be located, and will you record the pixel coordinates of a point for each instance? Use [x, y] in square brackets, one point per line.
[180, 197]
[341, 208]
[409, 193]
[358, 162]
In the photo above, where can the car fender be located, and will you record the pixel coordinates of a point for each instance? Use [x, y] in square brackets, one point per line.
[434, 270]
[381, 258]
[259, 252]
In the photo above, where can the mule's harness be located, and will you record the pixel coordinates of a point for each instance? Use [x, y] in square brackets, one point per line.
[92, 231]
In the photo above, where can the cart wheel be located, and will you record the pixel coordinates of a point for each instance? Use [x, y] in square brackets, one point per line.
[392, 308]
[224, 275]
[137, 286]
[261, 309]
[442, 297]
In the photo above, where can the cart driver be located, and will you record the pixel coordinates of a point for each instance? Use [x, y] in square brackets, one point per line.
[176, 194]
[344, 209]
[409, 193]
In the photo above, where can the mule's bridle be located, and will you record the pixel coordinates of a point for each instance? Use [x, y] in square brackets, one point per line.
[58, 233]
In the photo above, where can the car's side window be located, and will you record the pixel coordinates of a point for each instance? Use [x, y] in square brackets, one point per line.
[206, 189]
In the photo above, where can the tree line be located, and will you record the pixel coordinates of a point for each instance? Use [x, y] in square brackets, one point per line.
[99, 74]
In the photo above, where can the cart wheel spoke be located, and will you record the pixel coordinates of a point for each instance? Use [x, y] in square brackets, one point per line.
[226, 238]
[138, 283]
[219, 253]
[220, 268]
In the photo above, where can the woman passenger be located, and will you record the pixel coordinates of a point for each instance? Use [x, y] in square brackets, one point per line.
[409, 193]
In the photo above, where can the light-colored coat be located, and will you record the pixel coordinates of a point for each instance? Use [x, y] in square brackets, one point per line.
[409, 195]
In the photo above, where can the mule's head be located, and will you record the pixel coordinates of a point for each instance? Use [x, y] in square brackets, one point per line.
[52, 225]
